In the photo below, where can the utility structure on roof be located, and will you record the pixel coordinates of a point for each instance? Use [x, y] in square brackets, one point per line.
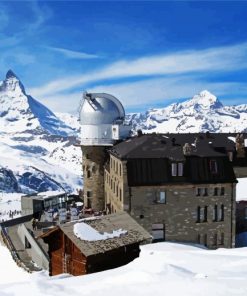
[102, 120]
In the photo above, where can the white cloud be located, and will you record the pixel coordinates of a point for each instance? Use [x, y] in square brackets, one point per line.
[68, 103]
[146, 93]
[159, 90]
[40, 13]
[74, 54]
[228, 58]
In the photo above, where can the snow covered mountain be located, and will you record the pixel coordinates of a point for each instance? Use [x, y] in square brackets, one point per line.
[204, 112]
[37, 151]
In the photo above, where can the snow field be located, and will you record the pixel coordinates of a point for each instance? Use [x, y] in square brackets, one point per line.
[162, 269]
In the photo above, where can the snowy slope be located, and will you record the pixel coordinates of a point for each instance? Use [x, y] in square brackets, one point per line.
[162, 269]
[204, 112]
[36, 146]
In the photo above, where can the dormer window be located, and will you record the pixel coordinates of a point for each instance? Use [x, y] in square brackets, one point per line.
[177, 169]
[180, 169]
[174, 169]
[213, 166]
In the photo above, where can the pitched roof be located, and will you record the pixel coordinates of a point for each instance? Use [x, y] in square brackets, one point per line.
[135, 233]
[171, 145]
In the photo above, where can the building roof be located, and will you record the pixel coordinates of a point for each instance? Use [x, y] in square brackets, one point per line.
[135, 233]
[45, 195]
[149, 158]
[171, 146]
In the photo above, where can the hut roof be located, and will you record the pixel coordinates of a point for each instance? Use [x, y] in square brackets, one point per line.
[105, 224]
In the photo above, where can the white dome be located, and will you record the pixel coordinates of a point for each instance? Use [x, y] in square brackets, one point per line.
[100, 108]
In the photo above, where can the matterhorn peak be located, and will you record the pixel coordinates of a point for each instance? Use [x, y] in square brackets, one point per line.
[11, 74]
[12, 84]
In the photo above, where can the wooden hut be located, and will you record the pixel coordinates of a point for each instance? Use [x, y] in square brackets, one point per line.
[79, 255]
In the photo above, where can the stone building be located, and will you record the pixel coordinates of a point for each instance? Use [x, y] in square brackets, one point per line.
[179, 187]
[177, 190]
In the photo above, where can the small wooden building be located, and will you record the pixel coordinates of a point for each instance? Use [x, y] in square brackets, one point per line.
[76, 256]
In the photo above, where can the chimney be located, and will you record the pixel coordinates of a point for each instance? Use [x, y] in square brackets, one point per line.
[240, 148]
[187, 149]
[139, 133]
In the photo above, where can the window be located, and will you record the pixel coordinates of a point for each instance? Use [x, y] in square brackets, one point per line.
[120, 194]
[174, 169]
[215, 239]
[205, 214]
[222, 213]
[222, 191]
[88, 174]
[222, 239]
[201, 191]
[180, 169]
[27, 244]
[205, 239]
[89, 193]
[158, 232]
[198, 191]
[120, 169]
[215, 214]
[213, 166]
[94, 169]
[215, 191]
[177, 169]
[160, 197]
[230, 155]
[198, 218]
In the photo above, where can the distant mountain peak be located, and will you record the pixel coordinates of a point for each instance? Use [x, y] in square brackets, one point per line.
[12, 84]
[11, 74]
[207, 94]
[203, 112]
[206, 100]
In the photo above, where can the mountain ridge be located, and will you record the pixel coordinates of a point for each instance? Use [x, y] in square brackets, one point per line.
[204, 112]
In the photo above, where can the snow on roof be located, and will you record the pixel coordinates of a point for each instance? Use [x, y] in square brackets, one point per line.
[119, 228]
[86, 232]
[232, 139]
[241, 189]
[49, 194]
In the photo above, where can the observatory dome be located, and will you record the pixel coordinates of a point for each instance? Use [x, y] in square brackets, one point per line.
[100, 108]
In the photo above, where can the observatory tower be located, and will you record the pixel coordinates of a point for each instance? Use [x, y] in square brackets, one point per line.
[102, 124]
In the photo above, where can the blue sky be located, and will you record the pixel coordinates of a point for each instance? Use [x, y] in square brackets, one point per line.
[148, 54]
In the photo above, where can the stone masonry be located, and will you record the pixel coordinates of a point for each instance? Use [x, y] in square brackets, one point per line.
[179, 213]
[93, 160]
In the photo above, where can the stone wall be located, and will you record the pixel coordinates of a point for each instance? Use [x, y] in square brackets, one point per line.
[178, 213]
[93, 160]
